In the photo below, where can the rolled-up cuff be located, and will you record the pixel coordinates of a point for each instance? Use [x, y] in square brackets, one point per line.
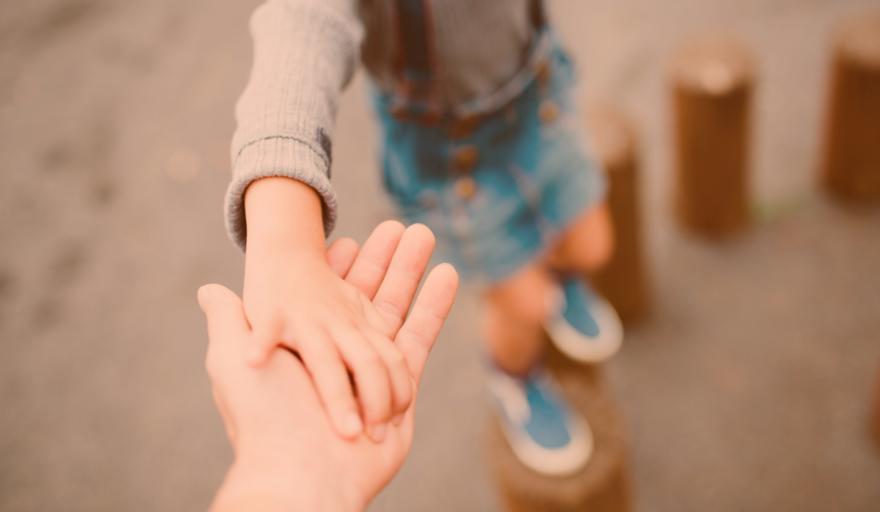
[287, 157]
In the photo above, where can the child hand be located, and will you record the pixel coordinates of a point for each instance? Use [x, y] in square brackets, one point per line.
[286, 451]
[337, 325]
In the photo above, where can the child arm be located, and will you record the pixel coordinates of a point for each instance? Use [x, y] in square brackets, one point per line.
[280, 205]
[305, 53]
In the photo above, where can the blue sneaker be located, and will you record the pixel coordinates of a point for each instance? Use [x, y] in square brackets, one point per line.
[583, 325]
[543, 431]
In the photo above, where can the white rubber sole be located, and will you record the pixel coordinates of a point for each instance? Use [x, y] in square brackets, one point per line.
[580, 347]
[563, 462]
[510, 398]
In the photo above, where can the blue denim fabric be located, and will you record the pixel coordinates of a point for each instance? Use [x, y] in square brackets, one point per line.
[533, 176]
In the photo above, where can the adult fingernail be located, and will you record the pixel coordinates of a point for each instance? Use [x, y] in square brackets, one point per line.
[377, 432]
[351, 424]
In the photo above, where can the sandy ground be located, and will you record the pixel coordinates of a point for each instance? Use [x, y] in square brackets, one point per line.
[747, 389]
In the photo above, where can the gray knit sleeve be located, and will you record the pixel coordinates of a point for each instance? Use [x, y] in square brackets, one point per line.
[305, 53]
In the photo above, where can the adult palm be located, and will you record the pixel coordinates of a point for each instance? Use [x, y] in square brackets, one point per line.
[285, 444]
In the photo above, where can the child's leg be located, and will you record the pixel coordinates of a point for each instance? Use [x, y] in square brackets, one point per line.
[585, 328]
[543, 430]
[587, 244]
[515, 310]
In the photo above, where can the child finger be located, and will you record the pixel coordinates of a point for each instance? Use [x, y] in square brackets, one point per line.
[428, 314]
[404, 273]
[325, 366]
[371, 379]
[266, 336]
[371, 263]
[398, 372]
[341, 255]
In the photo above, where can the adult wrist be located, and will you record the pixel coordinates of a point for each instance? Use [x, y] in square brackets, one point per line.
[262, 486]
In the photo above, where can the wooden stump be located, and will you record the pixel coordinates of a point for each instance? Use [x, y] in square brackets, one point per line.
[623, 280]
[602, 486]
[712, 83]
[875, 415]
[851, 160]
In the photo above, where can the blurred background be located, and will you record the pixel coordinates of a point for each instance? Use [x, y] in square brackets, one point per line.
[748, 387]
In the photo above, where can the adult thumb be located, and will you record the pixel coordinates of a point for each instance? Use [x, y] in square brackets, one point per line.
[223, 311]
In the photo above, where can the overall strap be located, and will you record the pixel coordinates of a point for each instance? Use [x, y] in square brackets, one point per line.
[538, 13]
[414, 63]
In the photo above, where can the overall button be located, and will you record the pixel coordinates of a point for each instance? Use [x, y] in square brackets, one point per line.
[510, 115]
[548, 112]
[463, 126]
[431, 117]
[399, 113]
[465, 158]
[543, 73]
[466, 187]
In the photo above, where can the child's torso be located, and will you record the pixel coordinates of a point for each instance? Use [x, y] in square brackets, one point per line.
[474, 45]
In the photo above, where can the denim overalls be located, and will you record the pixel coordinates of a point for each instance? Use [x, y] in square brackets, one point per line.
[498, 178]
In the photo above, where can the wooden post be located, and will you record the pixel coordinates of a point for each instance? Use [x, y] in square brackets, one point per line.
[875, 415]
[712, 83]
[623, 280]
[851, 160]
[602, 486]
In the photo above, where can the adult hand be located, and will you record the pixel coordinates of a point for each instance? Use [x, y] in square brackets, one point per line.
[287, 454]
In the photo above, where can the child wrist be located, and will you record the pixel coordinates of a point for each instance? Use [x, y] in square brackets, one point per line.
[284, 245]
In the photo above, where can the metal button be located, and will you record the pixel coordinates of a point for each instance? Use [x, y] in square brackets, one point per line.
[399, 112]
[431, 117]
[510, 115]
[543, 73]
[548, 112]
[465, 158]
[463, 126]
[466, 187]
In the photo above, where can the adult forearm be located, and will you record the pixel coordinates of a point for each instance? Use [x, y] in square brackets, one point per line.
[257, 491]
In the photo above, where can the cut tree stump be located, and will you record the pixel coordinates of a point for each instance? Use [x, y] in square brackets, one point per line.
[712, 88]
[623, 280]
[602, 486]
[875, 415]
[851, 160]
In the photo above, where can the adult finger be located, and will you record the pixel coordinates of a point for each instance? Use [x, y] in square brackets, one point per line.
[371, 379]
[404, 273]
[227, 325]
[428, 314]
[225, 414]
[227, 331]
[341, 255]
[324, 364]
[223, 311]
[369, 267]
